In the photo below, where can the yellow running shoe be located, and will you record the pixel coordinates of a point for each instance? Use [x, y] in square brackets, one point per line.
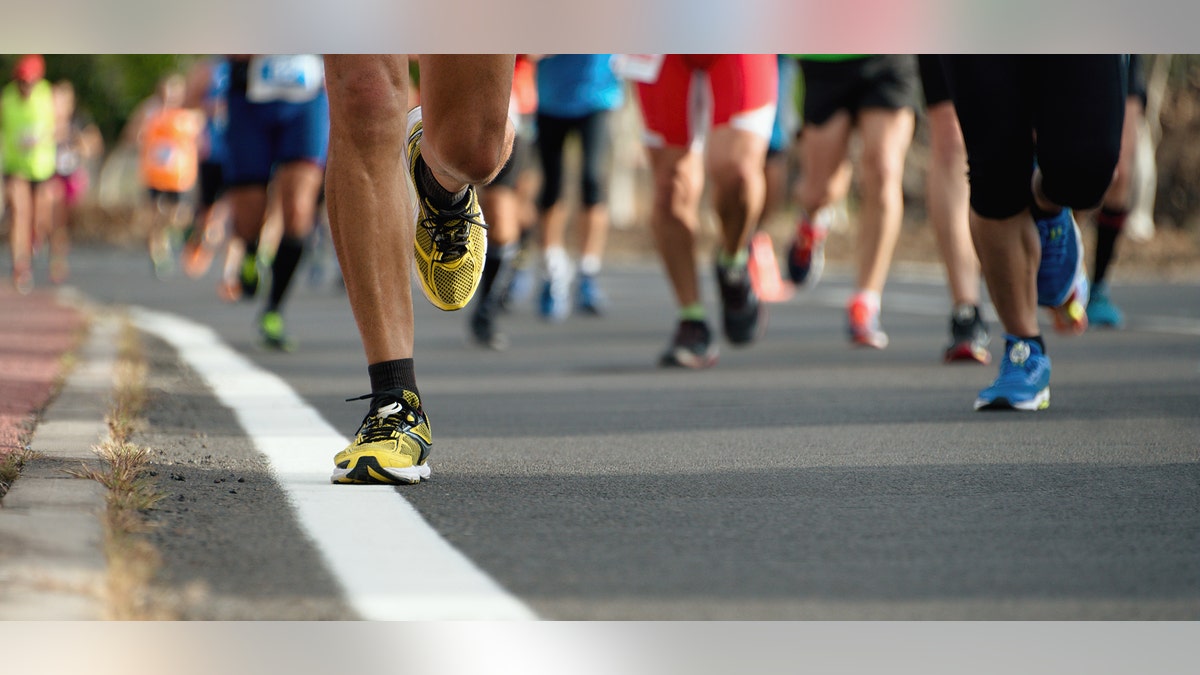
[450, 245]
[392, 444]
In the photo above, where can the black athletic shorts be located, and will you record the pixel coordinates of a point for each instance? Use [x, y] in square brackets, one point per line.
[212, 182]
[887, 81]
[594, 137]
[933, 80]
[1063, 111]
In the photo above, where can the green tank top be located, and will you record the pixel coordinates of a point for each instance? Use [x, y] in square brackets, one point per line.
[27, 131]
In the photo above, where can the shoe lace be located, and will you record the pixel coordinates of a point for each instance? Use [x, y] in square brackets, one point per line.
[968, 329]
[383, 421]
[450, 230]
[1012, 373]
[735, 286]
[692, 334]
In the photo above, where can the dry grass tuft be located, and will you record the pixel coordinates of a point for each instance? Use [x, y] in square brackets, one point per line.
[124, 471]
[11, 463]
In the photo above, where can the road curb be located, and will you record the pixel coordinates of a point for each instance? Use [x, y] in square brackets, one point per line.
[52, 565]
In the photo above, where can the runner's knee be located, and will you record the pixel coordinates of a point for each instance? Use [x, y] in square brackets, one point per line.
[1000, 190]
[475, 150]
[1080, 180]
[374, 105]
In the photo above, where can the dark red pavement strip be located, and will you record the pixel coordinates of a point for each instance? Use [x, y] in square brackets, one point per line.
[35, 332]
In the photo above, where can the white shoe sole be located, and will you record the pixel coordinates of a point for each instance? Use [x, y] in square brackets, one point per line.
[410, 475]
[1039, 402]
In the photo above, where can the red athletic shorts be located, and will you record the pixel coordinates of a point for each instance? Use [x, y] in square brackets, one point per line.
[743, 90]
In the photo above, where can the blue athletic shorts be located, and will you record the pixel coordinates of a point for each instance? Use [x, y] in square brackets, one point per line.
[261, 136]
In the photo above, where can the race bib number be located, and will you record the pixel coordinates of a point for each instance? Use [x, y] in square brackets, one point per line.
[162, 156]
[295, 78]
[638, 67]
[67, 161]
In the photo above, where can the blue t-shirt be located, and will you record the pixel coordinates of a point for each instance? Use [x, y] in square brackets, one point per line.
[575, 85]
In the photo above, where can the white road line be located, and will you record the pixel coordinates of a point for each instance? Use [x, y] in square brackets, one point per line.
[390, 562]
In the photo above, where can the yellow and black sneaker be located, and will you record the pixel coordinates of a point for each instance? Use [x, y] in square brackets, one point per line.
[392, 444]
[450, 245]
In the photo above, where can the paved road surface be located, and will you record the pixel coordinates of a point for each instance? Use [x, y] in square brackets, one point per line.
[797, 479]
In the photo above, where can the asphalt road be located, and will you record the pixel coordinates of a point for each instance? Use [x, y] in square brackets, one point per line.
[799, 478]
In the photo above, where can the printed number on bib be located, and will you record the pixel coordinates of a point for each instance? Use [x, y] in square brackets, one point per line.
[294, 78]
[638, 67]
[163, 156]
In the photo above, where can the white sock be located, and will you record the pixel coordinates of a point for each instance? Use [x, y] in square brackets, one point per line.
[556, 264]
[589, 265]
[871, 298]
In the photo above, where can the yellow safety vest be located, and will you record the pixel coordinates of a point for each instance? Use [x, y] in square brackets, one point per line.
[27, 131]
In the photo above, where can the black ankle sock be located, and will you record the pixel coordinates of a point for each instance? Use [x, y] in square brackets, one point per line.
[388, 375]
[440, 196]
[1113, 219]
[495, 263]
[1108, 230]
[287, 257]
[1106, 246]
[1035, 338]
[526, 235]
[495, 266]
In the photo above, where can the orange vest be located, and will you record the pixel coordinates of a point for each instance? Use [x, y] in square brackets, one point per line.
[169, 150]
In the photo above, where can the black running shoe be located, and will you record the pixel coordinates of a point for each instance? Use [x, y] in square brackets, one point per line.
[484, 331]
[969, 337]
[692, 347]
[806, 256]
[740, 308]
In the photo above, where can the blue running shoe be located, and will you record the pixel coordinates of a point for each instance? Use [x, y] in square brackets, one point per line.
[1024, 380]
[589, 299]
[554, 303]
[1101, 311]
[1062, 258]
